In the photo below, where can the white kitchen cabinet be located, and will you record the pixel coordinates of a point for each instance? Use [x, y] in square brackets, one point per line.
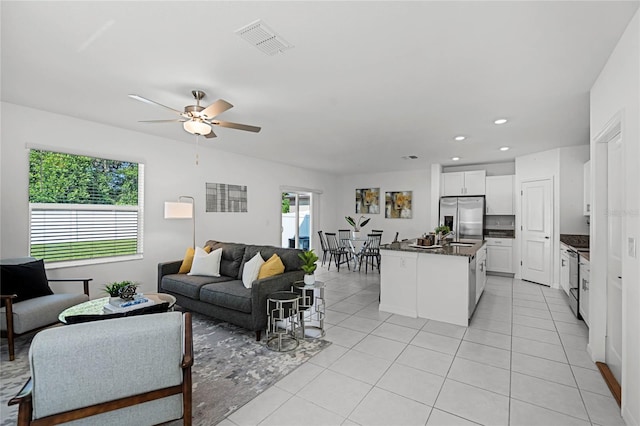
[500, 255]
[564, 269]
[481, 271]
[464, 183]
[499, 195]
[586, 209]
[584, 289]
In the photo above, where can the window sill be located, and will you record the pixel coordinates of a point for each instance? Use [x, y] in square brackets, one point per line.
[88, 262]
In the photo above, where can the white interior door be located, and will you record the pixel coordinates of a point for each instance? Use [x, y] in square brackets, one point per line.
[537, 228]
[613, 344]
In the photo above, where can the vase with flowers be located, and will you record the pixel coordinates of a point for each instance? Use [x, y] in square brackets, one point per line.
[357, 225]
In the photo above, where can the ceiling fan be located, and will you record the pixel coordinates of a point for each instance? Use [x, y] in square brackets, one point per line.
[197, 119]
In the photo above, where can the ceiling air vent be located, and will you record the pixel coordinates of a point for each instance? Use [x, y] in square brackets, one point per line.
[264, 38]
[410, 157]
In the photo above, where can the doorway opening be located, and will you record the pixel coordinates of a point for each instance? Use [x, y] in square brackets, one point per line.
[296, 219]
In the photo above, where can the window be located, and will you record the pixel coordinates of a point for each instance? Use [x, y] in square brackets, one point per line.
[84, 208]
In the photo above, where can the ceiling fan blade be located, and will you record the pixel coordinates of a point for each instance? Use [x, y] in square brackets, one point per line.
[149, 101]
[238, 126]
[211, 135]
[218, 107]
[162, 121]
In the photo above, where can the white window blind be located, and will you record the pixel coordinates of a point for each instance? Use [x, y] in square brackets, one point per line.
[95, 210]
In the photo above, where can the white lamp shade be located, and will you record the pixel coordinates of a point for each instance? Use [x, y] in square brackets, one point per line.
[175, 210]
[197, 127]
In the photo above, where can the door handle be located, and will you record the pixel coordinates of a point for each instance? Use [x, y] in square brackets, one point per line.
[546, 238]
[563, 263]
[620, 278]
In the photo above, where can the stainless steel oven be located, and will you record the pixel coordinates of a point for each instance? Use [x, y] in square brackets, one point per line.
[574, 282]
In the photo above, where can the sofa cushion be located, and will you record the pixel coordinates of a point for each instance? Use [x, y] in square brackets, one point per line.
[206, 264]
[232, 255]
[188, 285]
[39, 312]
[288, 256]
[185, 267]
[228, 294]
[271, 267]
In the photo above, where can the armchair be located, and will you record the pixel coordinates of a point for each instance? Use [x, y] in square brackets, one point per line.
[131, 370]
[19, 316]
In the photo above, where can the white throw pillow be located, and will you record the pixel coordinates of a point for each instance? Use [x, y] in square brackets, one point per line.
[206, 264]
[251, 270]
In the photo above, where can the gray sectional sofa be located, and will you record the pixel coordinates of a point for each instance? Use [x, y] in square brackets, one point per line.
[225, 297]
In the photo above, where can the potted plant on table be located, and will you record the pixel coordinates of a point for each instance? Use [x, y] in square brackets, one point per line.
[357, 225]
[121, 290]
[309, 266]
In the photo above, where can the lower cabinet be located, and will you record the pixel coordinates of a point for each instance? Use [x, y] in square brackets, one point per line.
[481, 271]
[499, 255]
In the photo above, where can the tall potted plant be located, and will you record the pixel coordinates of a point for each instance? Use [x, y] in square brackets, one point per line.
[309, 266]
[357, 225]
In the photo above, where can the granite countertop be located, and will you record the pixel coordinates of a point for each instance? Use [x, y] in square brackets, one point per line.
[584, 254]
[446, 249]
[576, 241]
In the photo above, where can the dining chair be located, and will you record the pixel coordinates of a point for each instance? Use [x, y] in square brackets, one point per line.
[324, 245]
[371, 252]
[336, 251]
[344, 235]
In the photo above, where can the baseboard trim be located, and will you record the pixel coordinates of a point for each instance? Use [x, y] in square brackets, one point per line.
[611, 381]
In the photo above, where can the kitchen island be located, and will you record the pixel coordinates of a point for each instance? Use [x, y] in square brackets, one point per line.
[442, 283]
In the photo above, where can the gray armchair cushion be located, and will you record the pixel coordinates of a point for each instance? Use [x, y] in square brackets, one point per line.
[39, 312]
[230, 294]
[84, 364]
[189, 285]
[232, 255]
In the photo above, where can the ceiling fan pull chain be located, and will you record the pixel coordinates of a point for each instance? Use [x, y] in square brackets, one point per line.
[197, 155]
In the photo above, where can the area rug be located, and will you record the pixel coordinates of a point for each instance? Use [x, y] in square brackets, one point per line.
[230, 369]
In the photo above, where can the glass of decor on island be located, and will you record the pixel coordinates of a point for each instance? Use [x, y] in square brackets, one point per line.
[309, 266]
[441, 232]
[357, 225]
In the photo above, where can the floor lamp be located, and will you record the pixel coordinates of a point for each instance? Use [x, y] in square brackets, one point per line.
[182, 210]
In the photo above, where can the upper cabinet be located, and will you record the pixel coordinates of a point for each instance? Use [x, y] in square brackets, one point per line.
[587, 189]
[500, 195]
[463, 183]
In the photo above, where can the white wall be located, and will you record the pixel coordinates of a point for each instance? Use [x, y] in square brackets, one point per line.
[616, 92]
[417, 181]
[170, 171]
[572, 219]
[492, 169]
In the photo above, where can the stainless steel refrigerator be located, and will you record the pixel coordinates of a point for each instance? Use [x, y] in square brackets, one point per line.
[464, 216]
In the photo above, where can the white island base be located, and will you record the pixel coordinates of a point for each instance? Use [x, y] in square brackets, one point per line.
[439, 287]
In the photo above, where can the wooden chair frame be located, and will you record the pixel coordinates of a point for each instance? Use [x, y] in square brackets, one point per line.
[25, 402]
[8, 303]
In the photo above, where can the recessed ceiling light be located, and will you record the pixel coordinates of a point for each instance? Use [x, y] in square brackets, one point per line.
[455, 158]
[460, 138]
[504, 148]
[500, 121]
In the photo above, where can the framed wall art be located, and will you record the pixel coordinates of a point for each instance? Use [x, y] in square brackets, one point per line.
[398, 205]
[222, 197]
[368, 201]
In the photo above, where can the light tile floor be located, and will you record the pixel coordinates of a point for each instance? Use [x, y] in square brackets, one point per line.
[522, 361]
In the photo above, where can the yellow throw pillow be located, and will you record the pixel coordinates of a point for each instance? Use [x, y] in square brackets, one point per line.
[185, 267]
[271, 267]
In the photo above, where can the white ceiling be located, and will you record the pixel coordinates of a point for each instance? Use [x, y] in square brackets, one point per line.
[367, 82]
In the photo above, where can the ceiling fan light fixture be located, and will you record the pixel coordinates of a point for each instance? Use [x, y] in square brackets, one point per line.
[197, 127]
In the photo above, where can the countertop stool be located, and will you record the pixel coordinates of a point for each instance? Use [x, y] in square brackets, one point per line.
[311, 309]
[282, 311]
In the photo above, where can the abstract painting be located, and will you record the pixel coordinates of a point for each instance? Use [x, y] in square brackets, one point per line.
[368, 201]
[398, 205]
[222, 197]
